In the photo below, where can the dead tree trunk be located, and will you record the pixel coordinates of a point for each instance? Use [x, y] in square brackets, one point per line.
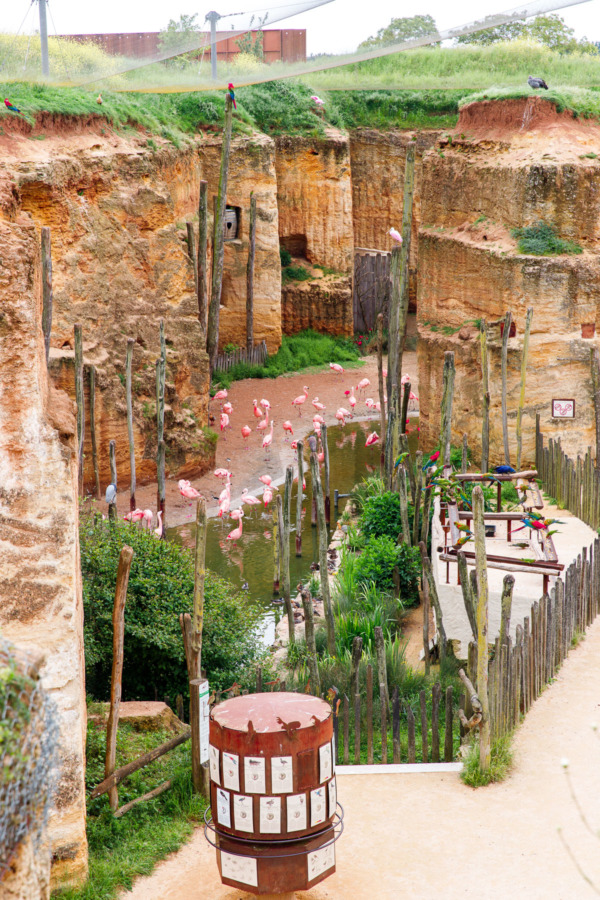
[447, 398]
[482, 627]
[202, 256]
[212, 344]
[322, 534]
[93, 430]
[485, 375]
[505, 337]
[299, 496]
[128, 374]
[250, 277]
[46, 289]
[526, 334]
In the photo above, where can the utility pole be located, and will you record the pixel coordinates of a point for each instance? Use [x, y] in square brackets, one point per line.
[44, 37]
[213, 17]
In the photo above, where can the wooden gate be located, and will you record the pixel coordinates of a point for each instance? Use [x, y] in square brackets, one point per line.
[371, 287]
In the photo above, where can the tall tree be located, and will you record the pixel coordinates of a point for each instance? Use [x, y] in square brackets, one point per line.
[403, 29]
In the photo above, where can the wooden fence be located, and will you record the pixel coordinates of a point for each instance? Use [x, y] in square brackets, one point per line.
[370, 288]
[256, 357]
[575, 484]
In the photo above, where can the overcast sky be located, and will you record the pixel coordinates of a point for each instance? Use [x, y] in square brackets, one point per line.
[336, 27]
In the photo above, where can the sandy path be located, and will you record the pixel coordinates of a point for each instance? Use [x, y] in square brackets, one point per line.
[248, 464]
[429, 836]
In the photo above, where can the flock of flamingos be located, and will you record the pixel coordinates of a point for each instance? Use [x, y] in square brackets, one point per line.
[265, 426]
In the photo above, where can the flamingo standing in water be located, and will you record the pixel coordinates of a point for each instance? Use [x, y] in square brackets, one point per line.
[300, 400]
[287, 427]
[267, 440]
[159, 531]
[372, 439]
[352, 400]
[236, 534]
[236, 513]
[246, 432]
[223, 507]
[249, 499]
[267, 496]
[340, 416]
[258, 413]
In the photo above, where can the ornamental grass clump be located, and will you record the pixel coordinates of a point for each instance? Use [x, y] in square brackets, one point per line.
[541, 239]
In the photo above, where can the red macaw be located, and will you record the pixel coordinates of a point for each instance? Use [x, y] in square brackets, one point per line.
[9, 106]
[232, 95]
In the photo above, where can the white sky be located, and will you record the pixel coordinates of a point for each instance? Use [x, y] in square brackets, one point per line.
[336, 27]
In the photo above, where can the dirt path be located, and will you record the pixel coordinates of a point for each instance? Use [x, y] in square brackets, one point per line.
[428, 836]
[248, 462]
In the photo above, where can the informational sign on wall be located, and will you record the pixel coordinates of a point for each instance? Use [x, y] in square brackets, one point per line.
[204, 716]
[563, 409]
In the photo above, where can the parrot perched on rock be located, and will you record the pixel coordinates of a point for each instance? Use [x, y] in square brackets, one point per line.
[9, 106]
[231, 94]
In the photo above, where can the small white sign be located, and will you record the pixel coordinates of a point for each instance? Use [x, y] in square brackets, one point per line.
[239, 868]
[332, 797]
[563, 409]
[320, 861]
[325, 762]
[296, 812]
[214, 764]
[242, 813]
[231, 771]
[254, 775]
[223, 808]
[270, 815]
[317, 806]
[204, 719]
[282, 775]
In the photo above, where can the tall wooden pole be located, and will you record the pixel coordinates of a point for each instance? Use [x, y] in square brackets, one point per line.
[404, 413]
[391, 438]
[505, 337]
[285, 573]
[595, 369]
[112, 456]
[485, 377]
[447, 398]
[276, 559]
[250, 276]
[524, 355]
[465, 454]
[199, 772]
[191, 245]
[309, 633]
[285, 537]
[128, 374]
[212, 342]
[299, 497]
[482, 627]
[161, 375]
[326, 473]
[380, 381]
[322, 530]
[417, 497]
[80, 401]
[403, 493]
[202, 255]
[92, 370]
[433, 596]
[46, 289]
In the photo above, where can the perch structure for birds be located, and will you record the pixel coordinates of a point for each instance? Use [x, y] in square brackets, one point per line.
[275, 816]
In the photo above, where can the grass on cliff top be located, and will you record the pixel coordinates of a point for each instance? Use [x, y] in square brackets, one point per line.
[298, 352]
[123, 849]
[541, 239]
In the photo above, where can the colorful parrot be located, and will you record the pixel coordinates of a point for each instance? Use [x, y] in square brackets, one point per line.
[400, 459]
[231, 93]
[462, 526]
[9, 106]
[500, 470]
[432, 459]
[463, 539]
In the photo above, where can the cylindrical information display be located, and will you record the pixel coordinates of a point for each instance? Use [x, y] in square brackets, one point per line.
[273, 791]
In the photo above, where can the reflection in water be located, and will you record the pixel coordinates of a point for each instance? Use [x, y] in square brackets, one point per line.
[250, 560]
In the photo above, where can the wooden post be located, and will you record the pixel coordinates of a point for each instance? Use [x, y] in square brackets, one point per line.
[286, 583]
[380, 379]
[526, 334]
[309, 633]
[199, 577]
[426, 513]
[46, 289]
[202, 253]
[436, 693]
[284, 537]
[505, 337]
[250, 276]
[485, 375]
[346, 725]
[212, 342]
[410, 727]
[276, 560]
[448, 735]
[128, 367]
[595, 367]
[383, 707]
[322, 534]
[112, 507]
[118, 621]
[417, 497]
[92, 370]
[161, 481]
[396, 748]
[403, 493]
[465, 455]
[299, 497]
[426, 659]
[469, 599]
[80, 400]
[404, 413]
[191, 245]
[161, 375]
[482, 627]
[381, 663]
[369, 714]
[391, 438]
[357, 644]
[433, 594]
[326, 473]
[424, 737]
[447, 397]
[506, 607]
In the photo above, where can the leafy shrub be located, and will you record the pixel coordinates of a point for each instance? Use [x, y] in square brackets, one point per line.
[541, 239]
[161, 585]
[377, 562]
[370, 487]
[295, 273]
[501, 761]
[285, 256]
[381, 516]
[354, 623]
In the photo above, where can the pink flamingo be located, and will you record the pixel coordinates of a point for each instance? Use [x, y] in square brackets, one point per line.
[287, 427]
[361, 386]
[352, 400]
[246, 432]
[267, 496]
[317, 419]
[372, 439]
[405, 379]
[339, 370]
[369, 403]
[187, 491]
[224, 423]
[222, 473]
[227, 408]
[257, 410]
[265, 405]
[300, 400]
[266, 480]
[318, 405]
[159, 531]
[267, 440]
[236, 534]
[223, 507]
[236, 513]
[321, 457]
[264, 424]
[340, 416]
[377, 406]
[148, 516]
[226, 492]
[317, 427]
[247, 498]
[134, 516]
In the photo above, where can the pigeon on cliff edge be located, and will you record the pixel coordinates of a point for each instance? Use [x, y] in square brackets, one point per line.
[537, 83]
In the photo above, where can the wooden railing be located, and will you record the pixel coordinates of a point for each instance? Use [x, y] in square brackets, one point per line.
[575, 484]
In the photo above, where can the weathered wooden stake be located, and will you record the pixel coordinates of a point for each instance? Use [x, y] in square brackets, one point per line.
[426, 513]
[128, 368]
[250, 276]
[447, 398]
[212, 341]
[46, 289]
[285, 575]
[326, 473]
[80, 400]
[357, 645]
[465, 455]
[118, 621]
[426, 658]
[112, 456]
[276, 560]
[369, 714]
[485, 375]
[299, 497]
[309, 633]
[192, 635]
[403, 494]
[92, 370]
[202, 253]
[382, 436]
[381, 663]
[526, 334]
[448, 735]
[404, 413]
[482, 627]
[391, 438]
[505, 337]
[322, 534]
[506, 607]
[433, 595]
[285, 537]
[417, 497]
[595, 369]
[191, 245]
[468, 598]
[162, 485]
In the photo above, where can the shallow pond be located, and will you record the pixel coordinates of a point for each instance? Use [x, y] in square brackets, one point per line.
[250, 560]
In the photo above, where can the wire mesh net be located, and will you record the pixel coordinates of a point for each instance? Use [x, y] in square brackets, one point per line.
[199, 56]
[28, 747]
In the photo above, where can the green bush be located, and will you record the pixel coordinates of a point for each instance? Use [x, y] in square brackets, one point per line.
[381, 516]
[541, 239]
[161, 586]
[285, 256]
[377, 562]
[370, 487]
[295, 273]
[354, 623]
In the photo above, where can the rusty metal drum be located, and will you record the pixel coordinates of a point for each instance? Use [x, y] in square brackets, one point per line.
[273, 791]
